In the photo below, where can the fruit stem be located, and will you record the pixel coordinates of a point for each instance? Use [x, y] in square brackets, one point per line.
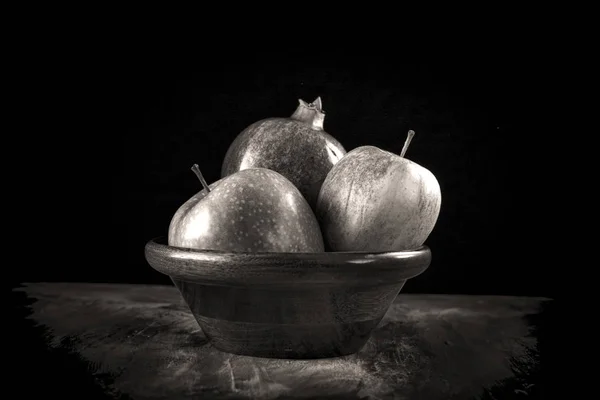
[318, 104]
[311, 114]
[196, 170]
[411, 133]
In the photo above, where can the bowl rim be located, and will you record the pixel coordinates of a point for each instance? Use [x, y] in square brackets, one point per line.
[343, 255]
[270, 268]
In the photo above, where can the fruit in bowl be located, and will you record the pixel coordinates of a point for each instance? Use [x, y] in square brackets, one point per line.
[268, 288]
[248, 252]
[297, 147]
[374, 200]
[253, 210]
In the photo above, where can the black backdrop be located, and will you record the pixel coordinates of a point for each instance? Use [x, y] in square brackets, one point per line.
[472, 116]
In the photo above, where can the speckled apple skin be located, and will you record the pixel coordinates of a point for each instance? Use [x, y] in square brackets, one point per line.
[374, 200]
[294, 149]
[254, 210]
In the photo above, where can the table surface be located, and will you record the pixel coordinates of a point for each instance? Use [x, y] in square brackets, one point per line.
[141, 342]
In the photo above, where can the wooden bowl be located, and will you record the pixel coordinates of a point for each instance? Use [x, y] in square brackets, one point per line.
[287, 305]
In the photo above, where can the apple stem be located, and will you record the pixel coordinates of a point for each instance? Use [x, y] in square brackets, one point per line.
[196, 170]
[411, 133]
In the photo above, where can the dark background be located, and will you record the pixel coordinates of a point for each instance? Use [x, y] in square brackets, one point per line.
[475, 115]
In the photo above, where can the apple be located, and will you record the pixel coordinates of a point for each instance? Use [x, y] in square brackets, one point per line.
[254, 210]
[374, 200]
[297, 147]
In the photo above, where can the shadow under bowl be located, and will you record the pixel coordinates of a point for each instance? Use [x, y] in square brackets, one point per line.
[287, 305]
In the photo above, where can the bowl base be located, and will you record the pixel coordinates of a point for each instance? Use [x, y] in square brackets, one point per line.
[287, 341]
[300, 323]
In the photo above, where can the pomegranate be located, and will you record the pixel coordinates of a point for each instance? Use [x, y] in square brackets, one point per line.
[297, 147]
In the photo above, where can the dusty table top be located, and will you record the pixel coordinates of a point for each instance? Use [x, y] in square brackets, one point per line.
[141, 342]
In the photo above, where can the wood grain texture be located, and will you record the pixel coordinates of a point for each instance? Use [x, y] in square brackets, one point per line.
[287, 305]
[285, 270]
[142, 342]
[308, 323]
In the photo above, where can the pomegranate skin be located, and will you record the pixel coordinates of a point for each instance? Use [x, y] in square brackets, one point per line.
[296, 147]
